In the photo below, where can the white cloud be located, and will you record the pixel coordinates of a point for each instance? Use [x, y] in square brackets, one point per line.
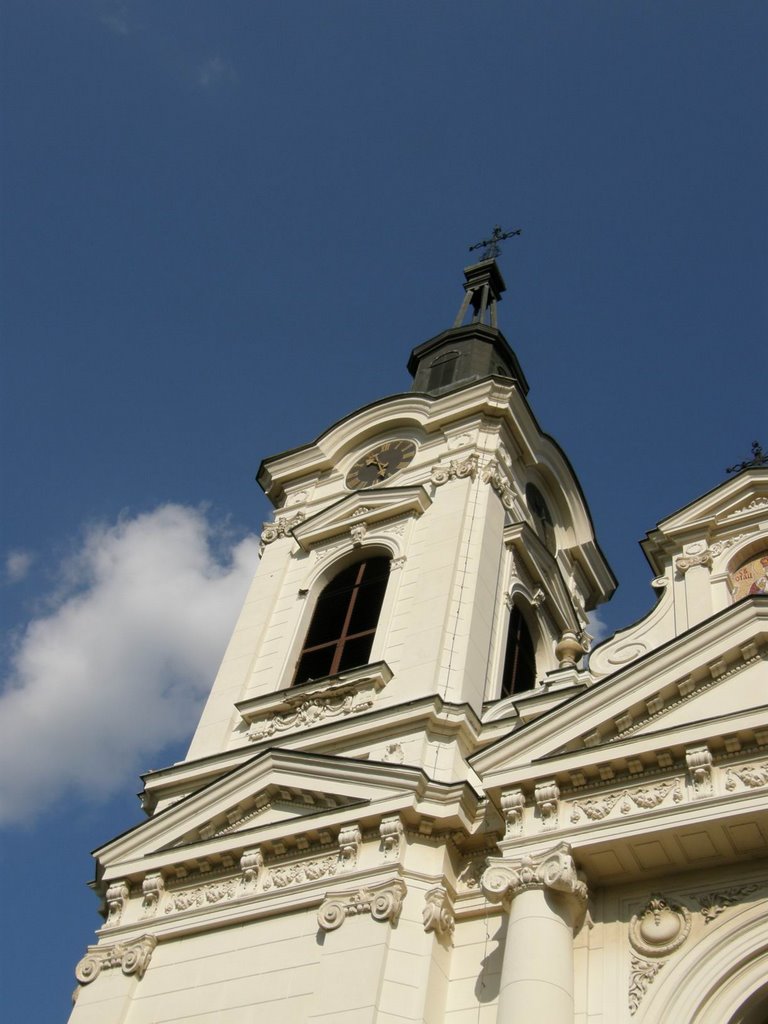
[596, 627]
[119, 667]
[17, 565]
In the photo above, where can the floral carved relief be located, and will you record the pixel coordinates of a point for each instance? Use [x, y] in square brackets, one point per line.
[751, 776]
[627, 800]
[641, 974]
[302, 871]
[200, 896]
[713, 904]
[455, 470]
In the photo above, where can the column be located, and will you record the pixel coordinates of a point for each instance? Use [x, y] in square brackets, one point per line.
[546, 900]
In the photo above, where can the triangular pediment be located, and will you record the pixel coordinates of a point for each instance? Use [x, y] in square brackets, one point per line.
[362, 509]
[739, 502]
[706, 681]
[277, 793]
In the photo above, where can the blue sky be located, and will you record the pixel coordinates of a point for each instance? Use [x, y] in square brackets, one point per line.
[226, 225]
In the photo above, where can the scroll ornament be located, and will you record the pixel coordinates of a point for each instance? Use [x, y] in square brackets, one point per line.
[383, 902]
[131, 957]
[556, 870]
[438, 913]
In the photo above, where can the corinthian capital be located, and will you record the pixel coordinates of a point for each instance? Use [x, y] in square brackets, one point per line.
[503, 879]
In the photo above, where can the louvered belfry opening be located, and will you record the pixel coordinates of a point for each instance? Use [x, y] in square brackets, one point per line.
[519, 660]
[340, 635]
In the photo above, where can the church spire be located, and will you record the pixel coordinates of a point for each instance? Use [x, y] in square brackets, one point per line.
[474, 347]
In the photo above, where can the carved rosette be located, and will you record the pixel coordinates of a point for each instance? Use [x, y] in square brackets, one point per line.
[660, 928]
[116, 899]
[455, 470]
[438, 913]
[391, 834]
[503, 879]
[383, 902]
[131, 957]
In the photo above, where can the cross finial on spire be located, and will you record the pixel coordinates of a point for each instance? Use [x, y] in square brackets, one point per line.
[759, 458]
[492, 248]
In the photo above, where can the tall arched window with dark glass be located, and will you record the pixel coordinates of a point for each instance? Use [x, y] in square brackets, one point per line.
[343, 625]
[519, 673]
[542, 517]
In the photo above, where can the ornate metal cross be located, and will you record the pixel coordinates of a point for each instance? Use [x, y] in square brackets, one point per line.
[759, 458]
[492, 248]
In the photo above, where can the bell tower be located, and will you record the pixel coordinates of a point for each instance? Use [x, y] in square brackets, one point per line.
[424, 586]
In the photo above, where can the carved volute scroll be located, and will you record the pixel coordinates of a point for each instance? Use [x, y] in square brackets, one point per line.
[555, 870]
[131, 957]
[383, 902]
[438, 913]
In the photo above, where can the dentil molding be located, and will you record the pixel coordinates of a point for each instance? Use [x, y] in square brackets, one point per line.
[383, 902]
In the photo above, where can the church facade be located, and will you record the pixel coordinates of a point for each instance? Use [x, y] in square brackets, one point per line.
[415, 794]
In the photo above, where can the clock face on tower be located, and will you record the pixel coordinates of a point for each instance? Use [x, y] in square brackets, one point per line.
[380, 463]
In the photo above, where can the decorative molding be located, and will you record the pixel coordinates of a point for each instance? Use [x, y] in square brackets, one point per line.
[471, 875]
[512, 805]
[751, 776]
[722, 545]
[200, 896]
[357, 533]
[503, 879]
[348, 693]
[391, 834]
[131, 957]
[643, 798]
[492, 475]
[437, 914]
[116, 899]
[393, 753]
[350, 841]
[383, 902]
[713, 904]
[641, 975]
[152, 889]
[699, 761]
[281, 527]
[685, 562]
[660, 927]
[455, 470]
[301, 871]
[547, 796]
[251, 866]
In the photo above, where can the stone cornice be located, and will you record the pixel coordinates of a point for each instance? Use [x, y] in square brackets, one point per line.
[302, 707]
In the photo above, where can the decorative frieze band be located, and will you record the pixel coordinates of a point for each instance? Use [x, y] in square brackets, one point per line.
[503, 879]
[131, 957]
[383, 902]
[281, 527]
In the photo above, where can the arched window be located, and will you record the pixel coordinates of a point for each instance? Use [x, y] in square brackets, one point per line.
[442, 370]
[340, 635]
[519, 672]
[542, 517]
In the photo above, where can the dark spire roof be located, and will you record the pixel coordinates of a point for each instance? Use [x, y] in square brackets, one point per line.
[474, 347]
